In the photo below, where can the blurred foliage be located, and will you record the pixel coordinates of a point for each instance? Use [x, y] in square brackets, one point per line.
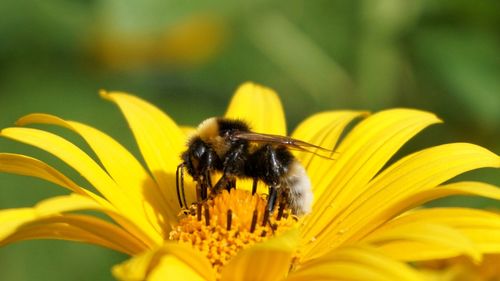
[189, 56]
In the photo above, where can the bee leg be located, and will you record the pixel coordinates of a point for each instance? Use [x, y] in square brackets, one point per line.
[206, 183]
[223, 183]
[271, 201]
[231, 184]
[283, 199]
[199, 196]
[209, 179]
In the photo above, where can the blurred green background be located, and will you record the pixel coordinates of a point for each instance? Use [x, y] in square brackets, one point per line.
[188, 57]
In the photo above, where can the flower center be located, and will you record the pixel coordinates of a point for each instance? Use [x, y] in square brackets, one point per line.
[222, 226]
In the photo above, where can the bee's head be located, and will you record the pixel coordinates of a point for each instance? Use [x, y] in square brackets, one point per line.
[193, 157]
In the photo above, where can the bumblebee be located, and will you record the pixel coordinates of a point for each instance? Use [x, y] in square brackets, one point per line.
[229, 146]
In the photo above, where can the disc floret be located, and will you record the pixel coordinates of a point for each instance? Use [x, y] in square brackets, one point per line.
[231, 221]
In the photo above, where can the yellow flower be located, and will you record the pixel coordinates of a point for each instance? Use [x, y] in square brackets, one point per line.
[363, 223]
[189, 41]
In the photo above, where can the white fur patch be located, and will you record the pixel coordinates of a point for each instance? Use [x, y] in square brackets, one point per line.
[301, 196]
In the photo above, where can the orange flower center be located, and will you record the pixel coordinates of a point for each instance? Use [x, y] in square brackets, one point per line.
[222, 226]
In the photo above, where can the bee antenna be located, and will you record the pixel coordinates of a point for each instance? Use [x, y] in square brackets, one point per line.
[179, 184]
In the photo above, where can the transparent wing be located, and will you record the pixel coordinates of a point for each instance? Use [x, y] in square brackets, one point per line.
[289, 142]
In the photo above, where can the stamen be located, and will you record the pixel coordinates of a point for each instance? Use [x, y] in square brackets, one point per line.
[207, 216]
[229, 219]
[198, 211]
[228, 222]
[254, 186]
[280, 211]
[254, 221]
[266, 218]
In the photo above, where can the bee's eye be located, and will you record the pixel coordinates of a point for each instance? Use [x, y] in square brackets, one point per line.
[199, 151]
[195, 161]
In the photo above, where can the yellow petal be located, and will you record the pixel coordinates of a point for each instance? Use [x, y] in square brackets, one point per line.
[136, 268]
[62, 231]
[171, 268]
[437, 238]
[270, 260]
[354, 264]
[323, 129]
[11, 219]
[28, 166]
[17, 223]
[188, 130]
[480, 227]
[198, 262]
[160, 141]
[420, 171]
[459, 188]
[461, 269]
[122, 166]
[260, 107]
[72, 155]
[79, 228]
[412, 250]
[360, 156]
[179, 261]
[88, 168]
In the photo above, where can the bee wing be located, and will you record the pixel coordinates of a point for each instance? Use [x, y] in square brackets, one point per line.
[289, 142]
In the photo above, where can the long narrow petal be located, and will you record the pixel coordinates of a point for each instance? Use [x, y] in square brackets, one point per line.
[19, 221]
[354, 264]
[81, 228]
[461, 269]
[160, 141]
[135, 269]
[28, 166]
[480, 227]
[172, 268]
[440, 241]
[361, 155]
[420, 171]
[88, 168]
[188, 130]
[423, 170]
[267, 261]
[170, 262]
[122, 166]
[61, 231]
[322, 129]
[260, 107]
[12, 219]
[458, 188]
